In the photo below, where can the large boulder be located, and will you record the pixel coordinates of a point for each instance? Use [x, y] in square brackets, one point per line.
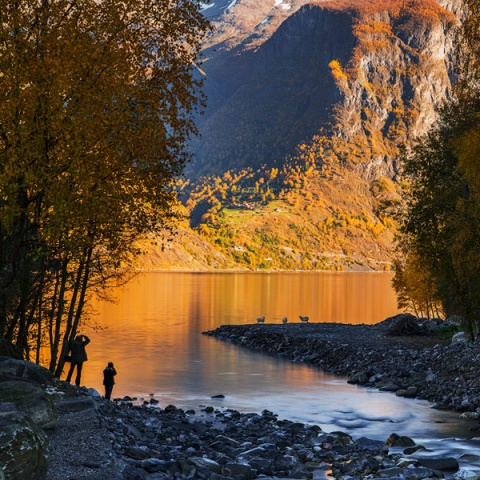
[30, 399]
[11, 368]
[404, 324]
[23, 447]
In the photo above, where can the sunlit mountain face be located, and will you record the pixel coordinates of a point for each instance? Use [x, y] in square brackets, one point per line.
[253, 87]
[279, 73]
[309, 106]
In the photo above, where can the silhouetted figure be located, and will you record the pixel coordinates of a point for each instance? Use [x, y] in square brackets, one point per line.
[79, 355]
[108, 380]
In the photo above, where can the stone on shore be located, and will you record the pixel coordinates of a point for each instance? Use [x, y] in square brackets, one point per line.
[26, 411]
[23, 447]
[439, 463]
[31, 400]
[11, 368]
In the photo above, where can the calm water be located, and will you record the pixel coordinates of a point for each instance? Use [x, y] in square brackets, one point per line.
[153, 334]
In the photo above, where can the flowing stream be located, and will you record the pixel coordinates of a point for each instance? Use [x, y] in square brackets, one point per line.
[153, 334]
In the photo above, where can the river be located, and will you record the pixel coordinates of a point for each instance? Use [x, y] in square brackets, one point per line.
[153, 334]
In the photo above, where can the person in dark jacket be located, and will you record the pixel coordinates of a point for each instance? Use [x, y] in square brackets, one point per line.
[108, 380]
[79, 355]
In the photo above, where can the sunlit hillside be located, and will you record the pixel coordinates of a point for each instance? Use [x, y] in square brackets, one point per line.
[307, 216]
[308, 110]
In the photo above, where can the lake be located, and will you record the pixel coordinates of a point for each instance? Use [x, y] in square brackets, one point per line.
[153, 334]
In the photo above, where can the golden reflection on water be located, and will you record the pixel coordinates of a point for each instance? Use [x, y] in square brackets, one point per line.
[153, 336]
[153, 330]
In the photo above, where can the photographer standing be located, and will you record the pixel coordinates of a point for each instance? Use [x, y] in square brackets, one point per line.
[78, 356]
[108, 380]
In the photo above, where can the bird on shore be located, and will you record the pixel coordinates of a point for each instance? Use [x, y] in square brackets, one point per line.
[284, 320]
[303, 319]
[260, 319]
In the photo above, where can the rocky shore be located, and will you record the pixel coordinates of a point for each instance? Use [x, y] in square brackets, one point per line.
[403, 355]
[71, 433]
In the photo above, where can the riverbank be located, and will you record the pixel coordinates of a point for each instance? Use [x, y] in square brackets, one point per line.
[398, 355]
[98, 439]
[88, 437]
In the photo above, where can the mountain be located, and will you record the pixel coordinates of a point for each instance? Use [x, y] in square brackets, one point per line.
[309, 105]
[370, 71]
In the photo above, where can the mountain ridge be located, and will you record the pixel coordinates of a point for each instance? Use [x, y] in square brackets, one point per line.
[324, 67]
[298, 161]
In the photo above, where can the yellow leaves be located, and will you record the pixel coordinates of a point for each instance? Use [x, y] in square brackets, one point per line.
[337, 71]
[204, 230]
[273, 173]
[373, 29]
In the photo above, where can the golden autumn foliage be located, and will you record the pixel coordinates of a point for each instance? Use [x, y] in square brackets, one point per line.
[316, 204]
[96, 104]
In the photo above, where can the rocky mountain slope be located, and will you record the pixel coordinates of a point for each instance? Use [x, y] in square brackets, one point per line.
[371, 72]
[309, 106]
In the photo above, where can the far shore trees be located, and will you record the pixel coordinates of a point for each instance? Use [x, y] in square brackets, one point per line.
[441, 224]
[96, 104]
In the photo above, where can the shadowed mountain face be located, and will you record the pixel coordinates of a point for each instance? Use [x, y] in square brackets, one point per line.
[276, 75]
[308, 107]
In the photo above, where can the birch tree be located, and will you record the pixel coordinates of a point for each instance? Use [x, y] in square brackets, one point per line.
[96, 104]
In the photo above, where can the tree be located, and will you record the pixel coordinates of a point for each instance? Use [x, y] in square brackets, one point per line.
[96, 104]
[441, 224]
[415, 288]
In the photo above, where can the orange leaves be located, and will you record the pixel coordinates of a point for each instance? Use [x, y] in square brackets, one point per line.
[337, 71]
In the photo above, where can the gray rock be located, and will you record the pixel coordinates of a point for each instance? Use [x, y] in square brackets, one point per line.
[404, 324]
[77, 404]
[460, 337]
[464, 474]
[390, 472]
[412, 450]
[368, 443]
[254, 452]
[410, 392]
[240, 470]
[359, 378]
[11, 368]
[395, 440]
[31, 400]
[418, 473]
[206, 463]
[137, 453]
[389, 387]
[153, 465]
[23, 447]
[439, 463]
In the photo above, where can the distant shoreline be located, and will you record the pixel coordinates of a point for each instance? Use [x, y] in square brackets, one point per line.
[229, 270]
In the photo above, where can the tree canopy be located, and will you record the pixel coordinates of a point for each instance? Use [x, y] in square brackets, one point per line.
[441, 223]
[96, 104]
